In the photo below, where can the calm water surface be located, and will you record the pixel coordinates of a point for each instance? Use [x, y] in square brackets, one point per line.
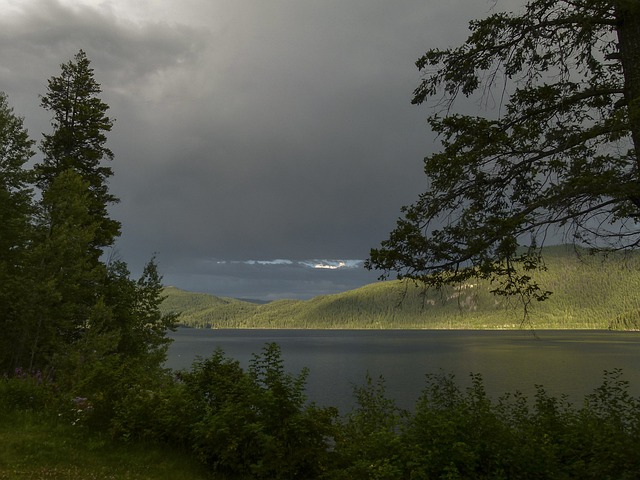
[564, 362]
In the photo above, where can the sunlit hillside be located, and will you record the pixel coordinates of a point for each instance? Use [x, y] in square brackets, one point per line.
[589, 292]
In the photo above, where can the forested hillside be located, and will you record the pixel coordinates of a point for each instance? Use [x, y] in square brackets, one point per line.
[588, 292]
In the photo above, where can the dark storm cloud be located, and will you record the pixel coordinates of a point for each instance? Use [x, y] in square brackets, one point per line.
[39, 31]
[247, 129]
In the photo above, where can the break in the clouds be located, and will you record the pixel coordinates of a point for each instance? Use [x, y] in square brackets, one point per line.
[322, 264]
[247, 129]
[332, 264]
[271, 279]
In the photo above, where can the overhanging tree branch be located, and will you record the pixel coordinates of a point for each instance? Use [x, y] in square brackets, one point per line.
[563, 155]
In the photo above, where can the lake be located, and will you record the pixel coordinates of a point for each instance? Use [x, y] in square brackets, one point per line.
[564, 362]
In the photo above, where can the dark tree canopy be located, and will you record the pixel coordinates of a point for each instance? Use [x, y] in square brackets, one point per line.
[559, 154]
[15, 191]
[65, 310]
[15, 228]
[80, 124]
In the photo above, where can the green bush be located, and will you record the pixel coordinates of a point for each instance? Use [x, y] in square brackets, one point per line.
[162, 414]
[462, 434]
[257, 423]
[604, 438]
[26, 391]
[247, 424]
[369, 444]
[459, 433]
[453, 433]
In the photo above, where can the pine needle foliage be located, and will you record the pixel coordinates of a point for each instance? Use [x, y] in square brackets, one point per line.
[558, 156]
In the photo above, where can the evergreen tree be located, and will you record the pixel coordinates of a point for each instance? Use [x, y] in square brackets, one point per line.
[136, 311]
[15, 228]
[63, 309]
[91, 323]
[561, 154]
[80, 124]
[69, 278]
[73, 226]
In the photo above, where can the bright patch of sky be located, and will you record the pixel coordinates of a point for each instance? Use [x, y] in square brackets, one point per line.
[332, 264]
[315, 263]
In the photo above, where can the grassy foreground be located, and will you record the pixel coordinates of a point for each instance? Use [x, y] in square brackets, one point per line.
[268, 434]
[36, 447]
[256, 424]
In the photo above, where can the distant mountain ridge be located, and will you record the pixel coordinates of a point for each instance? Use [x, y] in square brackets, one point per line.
[590, 292]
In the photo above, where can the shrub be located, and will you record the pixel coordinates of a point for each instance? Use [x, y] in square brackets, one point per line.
[25, 390]
[162, 414]
[257, 423]
[456, 434]
[369, 445]
[603, 440]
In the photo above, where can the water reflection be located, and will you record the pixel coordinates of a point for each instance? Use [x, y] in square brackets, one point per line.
[564, 362]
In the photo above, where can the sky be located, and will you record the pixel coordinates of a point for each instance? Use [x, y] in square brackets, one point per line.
[262, 148]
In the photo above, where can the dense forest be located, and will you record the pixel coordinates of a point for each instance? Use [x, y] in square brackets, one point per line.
[589, 292]
[69, 311]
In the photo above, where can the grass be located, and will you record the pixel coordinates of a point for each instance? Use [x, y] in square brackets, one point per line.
[36, 447]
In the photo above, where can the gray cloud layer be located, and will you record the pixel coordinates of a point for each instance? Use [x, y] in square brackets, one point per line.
[246, 129]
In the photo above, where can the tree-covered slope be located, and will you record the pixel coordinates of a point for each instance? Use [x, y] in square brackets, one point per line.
[588, 292]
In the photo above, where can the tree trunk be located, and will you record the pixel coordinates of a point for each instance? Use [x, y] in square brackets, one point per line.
[628, 30]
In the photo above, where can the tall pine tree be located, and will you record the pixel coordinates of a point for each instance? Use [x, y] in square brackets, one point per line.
[95, 326]
[70, 279]
[80, 124]
[15, 232]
